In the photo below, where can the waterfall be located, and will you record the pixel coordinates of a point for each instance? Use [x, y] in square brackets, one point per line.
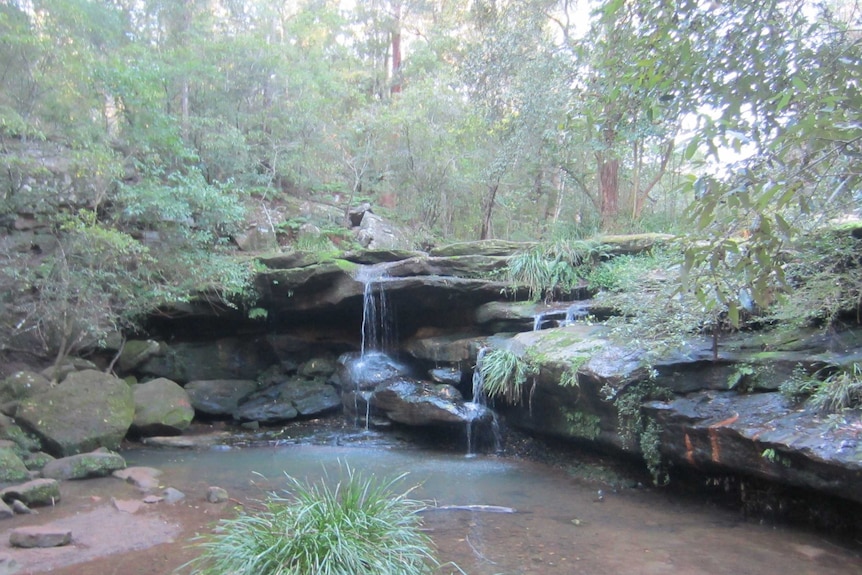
[479, 406]
[479, 397]
[537, 321]
[378, 333]
[377, 321]
[575, 312]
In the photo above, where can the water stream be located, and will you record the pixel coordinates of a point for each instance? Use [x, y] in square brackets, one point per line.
[378, 332]
[561, 527]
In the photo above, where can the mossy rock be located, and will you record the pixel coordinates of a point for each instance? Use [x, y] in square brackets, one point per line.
[99, 463]
[24, 442]
[162, 407]
[35, 493]
[136, 352]
[21, 385]
[481, 248]
[90, 409]
[12, 468]
[37, 460]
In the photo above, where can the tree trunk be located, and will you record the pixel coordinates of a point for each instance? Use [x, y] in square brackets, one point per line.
[609, 187]
[488, 210]
[396, 49]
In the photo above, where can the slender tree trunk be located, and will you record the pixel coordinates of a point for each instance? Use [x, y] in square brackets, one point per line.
[488, 210]
[184, 109]
[396, 49]
[609, 187]
[641, 196]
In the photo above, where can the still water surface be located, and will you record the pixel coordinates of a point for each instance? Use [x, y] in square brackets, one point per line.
[561, 525]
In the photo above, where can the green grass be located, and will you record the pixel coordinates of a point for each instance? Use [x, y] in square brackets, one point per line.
[361, 526]
[504, 375]
[841, 390]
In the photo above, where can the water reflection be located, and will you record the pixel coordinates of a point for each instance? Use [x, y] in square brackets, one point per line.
[560, 526]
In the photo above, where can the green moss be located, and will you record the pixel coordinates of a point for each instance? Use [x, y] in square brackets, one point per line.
[582, 425]
[345, 265]
[12, 469]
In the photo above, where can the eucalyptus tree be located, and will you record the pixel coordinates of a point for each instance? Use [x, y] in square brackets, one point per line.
[783, 93]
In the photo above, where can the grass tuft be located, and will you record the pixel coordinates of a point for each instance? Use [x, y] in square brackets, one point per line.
[359, 526]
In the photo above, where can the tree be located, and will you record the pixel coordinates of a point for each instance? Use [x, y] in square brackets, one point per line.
[789, 113]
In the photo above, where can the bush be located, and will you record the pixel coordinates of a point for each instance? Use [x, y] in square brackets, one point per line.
[550, 269]
[504, 374]
[361, 526]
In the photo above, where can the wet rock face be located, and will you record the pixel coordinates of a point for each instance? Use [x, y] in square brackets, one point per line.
[364, 372]
[417, 403]
[765, 435]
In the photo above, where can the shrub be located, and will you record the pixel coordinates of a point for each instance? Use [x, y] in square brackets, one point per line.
[504, 375]
[361, 526]
[841, 390]
[548, 269]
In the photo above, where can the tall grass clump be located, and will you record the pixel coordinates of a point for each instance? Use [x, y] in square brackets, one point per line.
[361, 526]
[549, 269]
[504, 375]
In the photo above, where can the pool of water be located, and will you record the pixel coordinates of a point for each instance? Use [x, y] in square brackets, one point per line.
[561, 524]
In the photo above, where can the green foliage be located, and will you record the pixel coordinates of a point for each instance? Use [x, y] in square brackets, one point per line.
[504, 374]
[635, 428]
[800, 385]
[569, 378]
[93, 283]
[361, 525]
[258, 313]
[182, 201]
[652, 312]
[840, 390]
[772, 456]
[746, 376]
[795, 170]
[549, 269]
[583, 425]
[824, 278]
[632, 273]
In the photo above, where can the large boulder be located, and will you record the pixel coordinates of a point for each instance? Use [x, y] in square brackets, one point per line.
[219, 397]
[444, 347]
[417, 403]
[88, 410]
[377, 233]
[98, 463]
[162, 407]
[363, 372]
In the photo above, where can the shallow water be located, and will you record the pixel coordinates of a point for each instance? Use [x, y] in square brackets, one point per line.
[561, 525]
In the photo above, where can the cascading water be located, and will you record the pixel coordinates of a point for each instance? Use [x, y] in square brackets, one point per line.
[575, 312]
[479, 406]
[378, 331]
[478, 380]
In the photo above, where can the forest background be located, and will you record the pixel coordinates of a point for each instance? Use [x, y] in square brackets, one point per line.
[734, 125]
